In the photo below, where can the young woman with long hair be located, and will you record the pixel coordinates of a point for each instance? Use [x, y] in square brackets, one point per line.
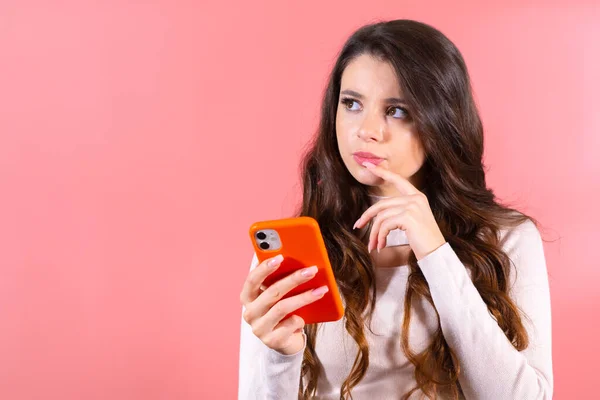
[445, 289]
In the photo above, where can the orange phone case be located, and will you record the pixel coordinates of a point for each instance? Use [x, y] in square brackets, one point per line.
[302, 246]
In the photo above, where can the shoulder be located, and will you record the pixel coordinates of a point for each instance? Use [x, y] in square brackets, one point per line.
[520, 238]
[524, 247]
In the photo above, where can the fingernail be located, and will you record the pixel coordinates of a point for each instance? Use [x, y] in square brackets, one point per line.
[356, 223]
[368, 164]
[320, 291]
[369, 248]
[310, 271]
[275, 261]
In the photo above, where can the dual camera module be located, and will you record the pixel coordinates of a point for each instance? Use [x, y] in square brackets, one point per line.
[268, 239]
[263, 245]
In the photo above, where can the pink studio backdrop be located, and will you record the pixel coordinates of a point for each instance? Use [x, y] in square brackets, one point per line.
[138, 142]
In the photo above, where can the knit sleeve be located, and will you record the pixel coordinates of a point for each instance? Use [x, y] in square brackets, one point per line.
[491, 368]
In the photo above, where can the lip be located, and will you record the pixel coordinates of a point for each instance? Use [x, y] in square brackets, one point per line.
[362, 156]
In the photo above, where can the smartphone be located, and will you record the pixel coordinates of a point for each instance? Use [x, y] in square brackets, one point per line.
[300, 242]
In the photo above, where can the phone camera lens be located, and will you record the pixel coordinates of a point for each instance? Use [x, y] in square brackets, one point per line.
[261, 235]
[264, 245]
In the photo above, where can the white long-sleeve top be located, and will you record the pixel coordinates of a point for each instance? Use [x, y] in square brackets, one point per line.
[491, 368]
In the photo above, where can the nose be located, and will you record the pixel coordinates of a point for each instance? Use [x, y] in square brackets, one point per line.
[372, 129]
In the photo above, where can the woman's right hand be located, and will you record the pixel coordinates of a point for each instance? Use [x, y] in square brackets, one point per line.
[265, 311]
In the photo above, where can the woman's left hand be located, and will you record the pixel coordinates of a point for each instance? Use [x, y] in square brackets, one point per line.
[409, 212]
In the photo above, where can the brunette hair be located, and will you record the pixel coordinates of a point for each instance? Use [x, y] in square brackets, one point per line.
[435, 84]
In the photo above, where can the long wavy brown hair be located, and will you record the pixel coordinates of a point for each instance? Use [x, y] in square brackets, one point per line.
[436, 86]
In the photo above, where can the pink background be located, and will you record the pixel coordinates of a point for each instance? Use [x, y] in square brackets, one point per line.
[139, 142]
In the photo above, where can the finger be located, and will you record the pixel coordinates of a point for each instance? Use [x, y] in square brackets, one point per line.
[378, 207]
[376, 227]
[286, 306]
[401, 183]
[251, 288]
[261, 305]
[278, 337]
[395, 222]
[289, 326]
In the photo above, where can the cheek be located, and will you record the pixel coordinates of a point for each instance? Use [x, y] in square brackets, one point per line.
[344, 130]
[341, 134]
[409, 157]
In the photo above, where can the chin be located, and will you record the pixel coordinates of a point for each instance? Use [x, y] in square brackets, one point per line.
[364, 177]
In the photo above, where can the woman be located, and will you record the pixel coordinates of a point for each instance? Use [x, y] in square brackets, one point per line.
[445, 289]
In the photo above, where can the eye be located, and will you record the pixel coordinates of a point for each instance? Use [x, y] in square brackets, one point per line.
[397, 112]
[348, 102]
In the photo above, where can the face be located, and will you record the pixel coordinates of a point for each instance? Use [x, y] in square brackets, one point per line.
[373, 123]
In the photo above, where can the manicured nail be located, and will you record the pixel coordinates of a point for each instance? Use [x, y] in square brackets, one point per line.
[368, 164]
[275, 261]
[369, 248]
[320, 291]
[309, 272]
[355, 224]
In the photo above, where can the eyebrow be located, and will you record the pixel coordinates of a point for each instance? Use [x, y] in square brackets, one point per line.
[360, 96]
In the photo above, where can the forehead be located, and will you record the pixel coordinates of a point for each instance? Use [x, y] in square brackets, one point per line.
[371, 77]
